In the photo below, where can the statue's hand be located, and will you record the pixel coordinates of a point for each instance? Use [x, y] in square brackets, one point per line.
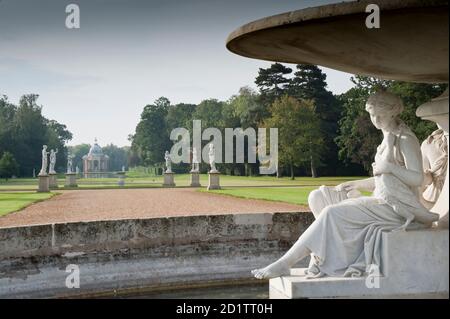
[382, 167]
[347, 187]
[428, 177]
[389, 139]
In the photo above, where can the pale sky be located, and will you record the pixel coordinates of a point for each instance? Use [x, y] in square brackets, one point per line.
[98, 78]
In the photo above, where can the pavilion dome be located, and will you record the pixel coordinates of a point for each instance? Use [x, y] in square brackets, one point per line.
[95, 149]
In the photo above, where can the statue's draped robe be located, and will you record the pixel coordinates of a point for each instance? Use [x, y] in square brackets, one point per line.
[346, 237]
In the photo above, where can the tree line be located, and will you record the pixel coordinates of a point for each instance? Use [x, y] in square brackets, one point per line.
[23, 131]
[320, 134]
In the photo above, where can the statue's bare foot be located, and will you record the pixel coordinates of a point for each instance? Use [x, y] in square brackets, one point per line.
[277, 269]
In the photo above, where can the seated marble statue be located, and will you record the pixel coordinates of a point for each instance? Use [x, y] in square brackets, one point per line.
[345, 238]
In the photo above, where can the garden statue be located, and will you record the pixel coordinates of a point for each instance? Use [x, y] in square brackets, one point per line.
[195, 161]
[168, 162]
[53, 161]
[69, 164]
[44, 161]
[212, 158]
[345, 238]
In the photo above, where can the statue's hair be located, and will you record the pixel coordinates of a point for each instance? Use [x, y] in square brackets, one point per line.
[385, 102]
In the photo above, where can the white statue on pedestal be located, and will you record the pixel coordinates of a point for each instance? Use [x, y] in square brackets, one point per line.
[168, 162]
[195, 161]
[345, 239]
[44, 161]
[435, 162]
[53, 161]
[212, 158]
[69, 164]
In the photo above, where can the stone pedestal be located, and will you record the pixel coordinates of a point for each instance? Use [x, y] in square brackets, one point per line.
[214, 180]
[71, 180]
[44, 185]
[169, 180]
[414, 264]
[53, 180]
[121, 181]
[195, 179]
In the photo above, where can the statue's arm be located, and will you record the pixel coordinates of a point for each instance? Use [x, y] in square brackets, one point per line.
[367, 184]
[428, 177]
[412, 173]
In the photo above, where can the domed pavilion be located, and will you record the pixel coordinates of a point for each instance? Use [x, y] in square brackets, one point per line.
[95, 163]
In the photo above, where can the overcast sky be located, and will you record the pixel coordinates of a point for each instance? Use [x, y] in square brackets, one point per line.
[98, 78]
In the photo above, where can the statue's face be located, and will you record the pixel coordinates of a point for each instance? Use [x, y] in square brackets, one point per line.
[381, 120]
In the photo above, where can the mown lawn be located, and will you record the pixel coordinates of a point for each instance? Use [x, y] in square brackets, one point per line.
[11, 202]
[293, 195]
[180, 180]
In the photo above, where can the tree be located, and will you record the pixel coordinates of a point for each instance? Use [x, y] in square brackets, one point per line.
[151, 140]
[309, 82]
[210, 113]
[30, 133]
[23, 131]
[7, 113]
[273, 84]
[8, 166]
[57, 138]
[300, 142]
[246, 107]
[179, 115]
[358, 139]
[414, 95]
[118, 156]
[78, 151]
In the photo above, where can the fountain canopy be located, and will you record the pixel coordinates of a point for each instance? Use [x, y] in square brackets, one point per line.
[410, 45]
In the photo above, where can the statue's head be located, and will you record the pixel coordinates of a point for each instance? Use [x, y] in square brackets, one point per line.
[384, 109]
[44, 147]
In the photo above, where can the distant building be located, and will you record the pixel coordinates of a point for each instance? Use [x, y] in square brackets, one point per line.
[95, 163]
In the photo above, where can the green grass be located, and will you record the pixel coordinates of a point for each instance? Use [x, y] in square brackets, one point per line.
[181, 180]
[293, 195]
[11, 202]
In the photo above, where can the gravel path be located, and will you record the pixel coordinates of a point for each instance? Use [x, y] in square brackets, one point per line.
[91, 205]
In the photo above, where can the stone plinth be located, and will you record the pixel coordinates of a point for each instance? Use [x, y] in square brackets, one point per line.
[214, 180]
[44, 185]
[71, 180]
[195, 179]
[53, 180]
[121, 181]
[169, 180]
[414, 264]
